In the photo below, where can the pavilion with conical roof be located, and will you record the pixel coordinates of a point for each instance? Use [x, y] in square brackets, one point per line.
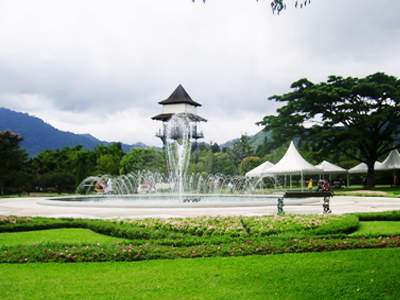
[392, 161]
[292, 163]
[259, 170]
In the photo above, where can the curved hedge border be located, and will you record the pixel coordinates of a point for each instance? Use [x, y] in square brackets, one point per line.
[195, 228]
[198, 237]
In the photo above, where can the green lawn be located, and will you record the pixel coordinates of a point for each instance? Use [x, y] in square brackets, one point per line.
[67, 235]
[378, 227]
[378, 191]
[355, 274]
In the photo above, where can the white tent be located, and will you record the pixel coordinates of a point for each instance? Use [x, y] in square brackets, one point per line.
[259, 170]
[362, 168]
[392, 161]
[329, 168]
[292, 163]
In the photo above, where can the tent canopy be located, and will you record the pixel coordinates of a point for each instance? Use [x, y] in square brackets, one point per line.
[362, 168]
[259, 170]
[330, 168]
[392, 161]
[292, 163]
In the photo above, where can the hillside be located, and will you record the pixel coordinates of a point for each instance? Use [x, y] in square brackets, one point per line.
[255, 140]
[39, 136]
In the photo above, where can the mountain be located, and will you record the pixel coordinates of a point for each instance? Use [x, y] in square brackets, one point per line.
[255, 140]
[39, 136]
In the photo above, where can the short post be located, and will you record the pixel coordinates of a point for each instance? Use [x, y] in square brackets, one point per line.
[325, 206]
[280, 206]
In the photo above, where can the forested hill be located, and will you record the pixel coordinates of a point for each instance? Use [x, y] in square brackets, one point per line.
[39, 136]
[255, 140]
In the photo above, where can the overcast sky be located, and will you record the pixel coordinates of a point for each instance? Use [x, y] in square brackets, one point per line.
[100, 67]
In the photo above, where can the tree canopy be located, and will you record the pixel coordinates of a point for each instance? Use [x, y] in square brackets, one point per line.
[359, 117]
[12, 162]
[249, 163]
[139, 159]
[241, 149]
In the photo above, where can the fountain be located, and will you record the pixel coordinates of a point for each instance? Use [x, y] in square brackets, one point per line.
[178, 148]
[177, 188]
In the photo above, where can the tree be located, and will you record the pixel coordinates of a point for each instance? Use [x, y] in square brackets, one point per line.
[63, 169]
[359, 117]
[223, 164]
[53, 170]
[138, 159]
[249, 163]
[241, 149]
[83, 163]
[215, 148]
[264, 148]
[13, 159]
[107, 164]
[108, 158]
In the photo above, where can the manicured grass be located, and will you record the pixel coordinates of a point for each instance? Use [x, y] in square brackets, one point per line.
[378, 228]
[65, 236]
[378, 191]
[355, 274]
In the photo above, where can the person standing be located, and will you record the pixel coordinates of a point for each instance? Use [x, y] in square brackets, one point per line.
[310, 184]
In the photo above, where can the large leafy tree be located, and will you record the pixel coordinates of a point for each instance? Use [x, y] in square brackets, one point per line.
[108, 158]
[62, 170]
[13, 162]
[359, 117]
[249, 163]
[138, 159]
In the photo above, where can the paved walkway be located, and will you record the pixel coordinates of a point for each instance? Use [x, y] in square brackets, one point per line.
[339, 205]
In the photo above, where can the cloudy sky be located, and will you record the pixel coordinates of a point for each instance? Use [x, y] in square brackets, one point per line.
[100, 67]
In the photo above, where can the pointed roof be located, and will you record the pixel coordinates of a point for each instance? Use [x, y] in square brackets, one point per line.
[258, 171]
[166, 117]
[392, 161]
[179, 96]
[362, 168]
[292, 163]
[330, 168]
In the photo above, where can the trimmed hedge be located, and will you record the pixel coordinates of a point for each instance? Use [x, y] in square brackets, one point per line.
[380, 216]
[216, 229]
[131, 252]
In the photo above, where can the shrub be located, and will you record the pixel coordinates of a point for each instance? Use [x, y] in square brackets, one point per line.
[380, 216]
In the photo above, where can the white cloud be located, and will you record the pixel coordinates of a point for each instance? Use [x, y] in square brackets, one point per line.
[100, 67]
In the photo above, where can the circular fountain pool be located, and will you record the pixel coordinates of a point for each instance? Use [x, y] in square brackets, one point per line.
[173, 201]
